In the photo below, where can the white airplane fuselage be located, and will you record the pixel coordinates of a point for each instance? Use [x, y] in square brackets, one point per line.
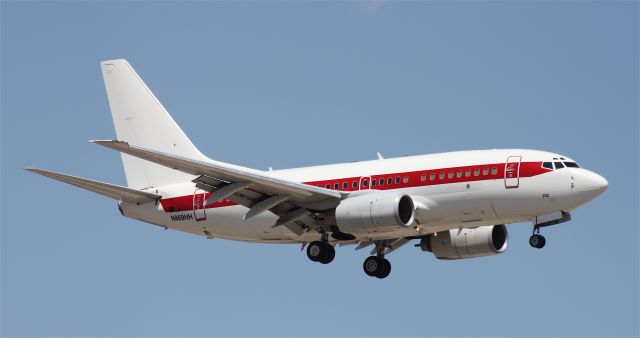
[456, 204]
[453, 190]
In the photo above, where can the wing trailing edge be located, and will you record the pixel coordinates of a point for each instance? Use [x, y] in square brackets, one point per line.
[262, 181]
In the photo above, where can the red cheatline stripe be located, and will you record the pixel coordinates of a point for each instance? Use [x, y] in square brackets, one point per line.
[407, 180]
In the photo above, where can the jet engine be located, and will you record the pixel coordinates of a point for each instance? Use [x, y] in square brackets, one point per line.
[375, 212]
[467, 242]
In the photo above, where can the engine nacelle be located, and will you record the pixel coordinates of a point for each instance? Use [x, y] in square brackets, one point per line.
[375, 212]
[467, 243]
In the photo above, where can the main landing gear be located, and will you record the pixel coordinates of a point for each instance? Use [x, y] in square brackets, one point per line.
[377, 266]
[321, 251]
[374, 266]
[536, 240]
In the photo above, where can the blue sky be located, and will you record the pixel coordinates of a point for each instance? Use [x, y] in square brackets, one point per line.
[288, 84]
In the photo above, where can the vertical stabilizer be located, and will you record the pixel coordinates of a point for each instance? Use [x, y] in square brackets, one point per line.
[141, 120]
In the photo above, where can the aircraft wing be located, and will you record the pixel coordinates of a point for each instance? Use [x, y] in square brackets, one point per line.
[110, 190]
[252, 188]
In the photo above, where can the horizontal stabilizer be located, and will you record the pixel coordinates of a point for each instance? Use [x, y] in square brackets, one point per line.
[110, 190]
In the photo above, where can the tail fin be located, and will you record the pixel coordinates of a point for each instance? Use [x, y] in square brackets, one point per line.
[141, 120]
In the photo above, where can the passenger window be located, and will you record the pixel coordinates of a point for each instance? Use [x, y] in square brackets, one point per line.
[467, 173]
[365, 183]
[459, 174]
[547, 165]
[336, 186]
[450, 174]
[423, 177]
[485, 171]
[571, 165]
[381, 181]
[432, 176]
[373, 183]
[354, 184]
[476, 172]
[442, 175]
[328, 186]
[390, 180]
[494, 171]
[559, 165]
[406, 179]
[397, 179]
[345, 185]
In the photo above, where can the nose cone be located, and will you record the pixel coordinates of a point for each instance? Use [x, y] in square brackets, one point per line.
[592, 183]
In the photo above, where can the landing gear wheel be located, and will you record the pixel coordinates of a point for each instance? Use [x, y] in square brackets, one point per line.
[375, 266]
[315, 251]
[329, 254]
[537, 241]
[321, 252]
[372, 265]
[543, 241]
[387, 269]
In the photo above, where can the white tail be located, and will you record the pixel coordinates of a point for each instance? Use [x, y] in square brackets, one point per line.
[141, 120]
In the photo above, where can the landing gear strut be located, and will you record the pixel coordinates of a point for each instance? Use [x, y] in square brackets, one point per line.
[377, 266]
[536, 240]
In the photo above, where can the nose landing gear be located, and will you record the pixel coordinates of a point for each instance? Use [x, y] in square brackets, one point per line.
[536, 240]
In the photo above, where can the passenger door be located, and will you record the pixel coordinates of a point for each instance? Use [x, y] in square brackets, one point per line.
[512, 172]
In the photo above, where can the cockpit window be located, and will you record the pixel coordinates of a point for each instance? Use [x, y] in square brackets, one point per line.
[547, 165]
[559, 165]
[571, 165]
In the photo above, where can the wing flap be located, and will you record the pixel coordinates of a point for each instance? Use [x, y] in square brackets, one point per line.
[106, 189]
[231, 173]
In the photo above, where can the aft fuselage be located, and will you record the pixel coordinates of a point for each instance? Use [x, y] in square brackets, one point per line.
[452, 190]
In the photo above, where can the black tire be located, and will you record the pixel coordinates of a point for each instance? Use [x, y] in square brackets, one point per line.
[372, 265]
[537, 241]
[329, 254]
[543, 241]
[316, 251]
[386, 269]
[534, 241]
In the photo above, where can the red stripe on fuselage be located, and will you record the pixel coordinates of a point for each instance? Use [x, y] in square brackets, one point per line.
[185, 203]
[407, 180]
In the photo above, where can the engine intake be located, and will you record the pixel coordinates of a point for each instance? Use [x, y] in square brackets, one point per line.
[375, 212]
[467, 243]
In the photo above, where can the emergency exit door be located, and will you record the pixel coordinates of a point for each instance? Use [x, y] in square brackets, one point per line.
[199, 211]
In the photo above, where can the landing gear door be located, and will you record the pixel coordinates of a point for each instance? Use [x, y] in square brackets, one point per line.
[199, 211]
[512, 172]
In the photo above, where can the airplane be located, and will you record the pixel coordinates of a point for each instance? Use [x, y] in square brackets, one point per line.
[455, 204]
